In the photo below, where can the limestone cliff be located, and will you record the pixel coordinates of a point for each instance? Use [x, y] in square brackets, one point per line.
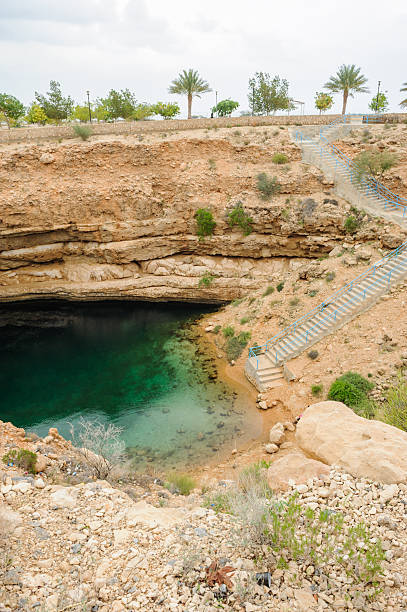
[116, 219]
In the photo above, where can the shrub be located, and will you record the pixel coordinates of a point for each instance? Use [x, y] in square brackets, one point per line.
[180, 483]
[24, 459]
[312, 292]
[212, 164]
[373, 163]
[316, 390]
[394, 411]
[238, 216]
[351, 389]
[279, 158]
[312, 354]
[295, 301]
[228, 332]
[100, 445]
[280, 287]
[268, 187]
[235, 345]
[82, 131]
[205, 223]
[330, 277]
[269, 290]
[217, 329]
[206, 280]
[351, 224]
[244, 320]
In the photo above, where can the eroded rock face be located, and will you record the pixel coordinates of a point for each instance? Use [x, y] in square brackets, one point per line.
[111, 219]
[334, 434]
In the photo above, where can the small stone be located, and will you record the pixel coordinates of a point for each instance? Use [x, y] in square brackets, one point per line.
[263, 405]
[271, 448]
[39, 483]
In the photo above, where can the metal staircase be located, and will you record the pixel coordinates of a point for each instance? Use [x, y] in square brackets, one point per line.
[265, 364]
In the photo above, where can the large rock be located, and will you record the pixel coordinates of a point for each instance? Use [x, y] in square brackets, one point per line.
[9, 520]
[295, 467]
[145, 514]
[65, 497]
[333, 433]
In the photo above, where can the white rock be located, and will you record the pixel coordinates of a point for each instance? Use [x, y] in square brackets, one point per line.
[302, 488]
[63, 498]
[277, 433]
[39, 483]
[22, 487]
[263, 405]
[271, 448]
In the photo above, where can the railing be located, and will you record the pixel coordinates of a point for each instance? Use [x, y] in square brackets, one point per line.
[256, 350]
[370, 186]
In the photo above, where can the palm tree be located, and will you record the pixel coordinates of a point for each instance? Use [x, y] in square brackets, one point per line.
[403, 103]
[349, 80]
[189, 83]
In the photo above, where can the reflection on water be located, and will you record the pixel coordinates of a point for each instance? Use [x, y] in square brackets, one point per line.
[134, 364]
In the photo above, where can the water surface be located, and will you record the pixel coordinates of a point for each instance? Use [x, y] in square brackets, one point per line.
[134, 364]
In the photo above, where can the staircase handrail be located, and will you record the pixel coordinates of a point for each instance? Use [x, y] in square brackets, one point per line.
[334, 297]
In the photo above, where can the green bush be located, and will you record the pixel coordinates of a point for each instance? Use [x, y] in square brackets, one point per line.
[269, 290]
[180, 483]
[313, 354]
[280, 287]
[206, 280]
[24, 459]
[351, 225]
[205, 223]
[394, 410]
[235, 345]
[238, 216]
[228, 332]
[295, 301]
[351, 389]
[244, 320]
[316, 390]
[268, 187]
[82, 131]
[217, 329]
[279, 158]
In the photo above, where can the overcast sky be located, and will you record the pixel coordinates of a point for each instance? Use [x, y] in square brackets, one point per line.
[143, 44]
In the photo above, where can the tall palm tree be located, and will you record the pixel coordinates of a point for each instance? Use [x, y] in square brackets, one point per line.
[403, 103]
[190, 84]
[348, 80]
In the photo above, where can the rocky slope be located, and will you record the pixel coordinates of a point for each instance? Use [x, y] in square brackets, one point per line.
[116, 219]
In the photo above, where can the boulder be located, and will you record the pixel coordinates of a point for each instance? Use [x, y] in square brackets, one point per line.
[47, 158]
[64, 497]
[9, 520]
[41, 463]
[277, 433]
[150, 516]
[263, 405]
[271, 448]
[333, 433]
[294, 467]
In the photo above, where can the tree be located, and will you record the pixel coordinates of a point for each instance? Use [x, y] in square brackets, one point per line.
[167, 110]
[323, 101]
[190, 84]
[349, 81]
[120, 104]
[54, 105]
[142, 111]
[80, 112]
[403, 103]
[100, 110]
[11, 108]
[379, 103]
[224, 108]
[268, 95]
[36, 115]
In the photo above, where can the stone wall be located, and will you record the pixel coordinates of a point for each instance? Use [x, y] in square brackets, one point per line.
[52, 132]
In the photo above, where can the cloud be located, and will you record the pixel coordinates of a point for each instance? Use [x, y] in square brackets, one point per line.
[70, 11]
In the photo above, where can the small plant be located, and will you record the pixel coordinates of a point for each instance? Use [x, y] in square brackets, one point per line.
[82, 131]
[212, 164]
[316, 390]
[268, 291]
[351, 388]
[206, 280]
[330, 277]
[235, 345]
[24, 459]
[205, 223]
[294, 302]
[237, 302]
[182, 484]
[238, 216]
[100, 445]
[313, 354]
[244, 320]
[351, 225]
[279, 158]
[394, 411]
[312, 292]
[268, 187]
[228, 332]
[217, 329]
[219, 575]
[280, 287]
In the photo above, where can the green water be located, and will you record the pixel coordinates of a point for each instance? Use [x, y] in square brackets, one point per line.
[137, 365]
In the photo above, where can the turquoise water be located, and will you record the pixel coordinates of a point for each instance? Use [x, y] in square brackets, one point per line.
[137, 365]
